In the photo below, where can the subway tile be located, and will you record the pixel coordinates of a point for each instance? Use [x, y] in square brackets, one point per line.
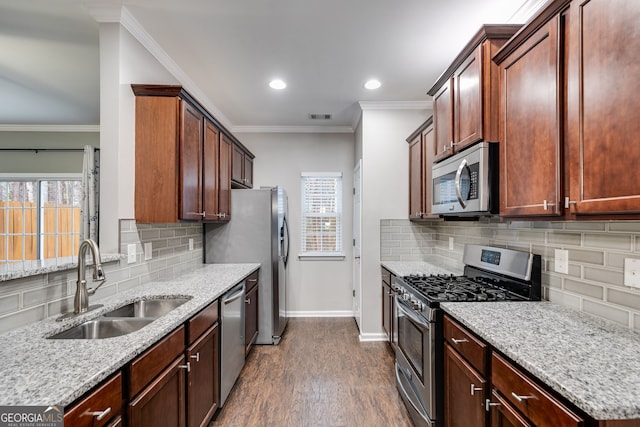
[168, 232]
[627, 299]
[573, 270]
[385, 222]
[604, 276]
[22, 318]
[127, 224]
[625, 227]
[9, 303]
[384, 251]
[390, 243]
[609, 241]
[585, 289]
[147, 278]
[524, 247]
[563, 298]
[384, 231]
[519, 224]
[583, 256]
[128, 284]
[61, 306]
[174, 242]
[637, 245]
[505, 235]
[129, 237]
[551, 281]
[585, 226]
[544, 225]
[636, 322]
[563, 238]
[41, 296]
[606, 311]
[401, 251]
[616, 260]
[167, 273]
[165, 252]
[531, 236]
[150, 234]
[106, 290]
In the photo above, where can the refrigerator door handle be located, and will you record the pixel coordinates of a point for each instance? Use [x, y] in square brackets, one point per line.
[285, 240]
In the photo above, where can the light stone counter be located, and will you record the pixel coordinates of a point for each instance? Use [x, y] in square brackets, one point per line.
[405, 268]
[593, 363]
[39, 371]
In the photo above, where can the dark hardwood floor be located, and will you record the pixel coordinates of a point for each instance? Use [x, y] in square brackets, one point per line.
[319, 375]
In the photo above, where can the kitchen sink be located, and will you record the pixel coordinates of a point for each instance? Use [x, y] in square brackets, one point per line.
[152, 308]
[123, 320]
[103, 328]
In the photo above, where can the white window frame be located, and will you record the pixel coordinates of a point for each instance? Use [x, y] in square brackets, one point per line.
[338, 254]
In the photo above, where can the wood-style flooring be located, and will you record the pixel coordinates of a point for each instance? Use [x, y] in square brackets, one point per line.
[319, 375]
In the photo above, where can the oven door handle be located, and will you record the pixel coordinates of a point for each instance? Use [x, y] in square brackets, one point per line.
[411, 314]
[463, 165]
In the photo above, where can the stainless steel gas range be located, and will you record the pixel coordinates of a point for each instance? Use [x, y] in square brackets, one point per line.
[490, 274]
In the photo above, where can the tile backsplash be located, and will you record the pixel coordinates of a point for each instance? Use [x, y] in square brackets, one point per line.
[30, 299]
[597, 250]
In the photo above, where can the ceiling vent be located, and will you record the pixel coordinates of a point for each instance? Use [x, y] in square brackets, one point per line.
[316, 116]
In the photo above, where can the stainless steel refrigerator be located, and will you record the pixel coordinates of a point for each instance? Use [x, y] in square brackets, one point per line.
[257, 232]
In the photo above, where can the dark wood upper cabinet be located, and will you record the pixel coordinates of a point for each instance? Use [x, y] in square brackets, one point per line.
[569, 102]
[242, 167]
[191, 137]
[421, 157]
[224, 188]
[466, 96]
[211, 178]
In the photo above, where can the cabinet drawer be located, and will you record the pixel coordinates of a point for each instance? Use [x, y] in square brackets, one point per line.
[470, 347]
[88, 411]
[202, 321]
[252, 280]
[524, 394]
[146, 367]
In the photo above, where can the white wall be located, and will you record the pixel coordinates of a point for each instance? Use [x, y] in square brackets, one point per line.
[385, 194]
[320, 288]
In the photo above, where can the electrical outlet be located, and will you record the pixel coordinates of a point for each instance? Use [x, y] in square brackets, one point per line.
[190, 244]
[148, 249]
[131, 253]
[562, 261]
[450, 243]
[632, 272]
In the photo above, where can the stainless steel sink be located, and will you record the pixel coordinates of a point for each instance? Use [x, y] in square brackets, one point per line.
[103, 328]
[123, 320]
[152, 308]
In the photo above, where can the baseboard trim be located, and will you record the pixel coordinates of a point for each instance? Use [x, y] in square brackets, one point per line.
[373, 337]
[345, 313]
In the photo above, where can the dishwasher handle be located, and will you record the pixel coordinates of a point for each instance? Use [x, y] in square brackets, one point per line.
[232, 298]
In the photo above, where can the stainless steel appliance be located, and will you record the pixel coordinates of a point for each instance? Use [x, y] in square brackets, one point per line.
[258, 232]
[466, 184]
[490, 274]
[231, 338]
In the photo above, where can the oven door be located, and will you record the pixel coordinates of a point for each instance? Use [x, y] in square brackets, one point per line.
[415, 368]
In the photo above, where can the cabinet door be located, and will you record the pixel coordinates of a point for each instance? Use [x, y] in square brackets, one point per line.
[161, 403]
[505, 415]
[465, 392]
[224, 188]
[210, 166]
[467, 108]
[191, 162]
[603, 105]
[237, 165]
[202, 379]
[416, 190]
[428, 156]
[99, 407]
[443, 120]
[530, 137]
[251, 318]
[387, 314]
[248, 171]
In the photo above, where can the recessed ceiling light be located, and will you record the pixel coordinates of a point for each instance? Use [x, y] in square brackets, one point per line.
[277, 84]
[372, 84]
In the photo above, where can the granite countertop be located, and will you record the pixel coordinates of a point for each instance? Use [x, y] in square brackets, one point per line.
[593, 363]
[404, 268]
[39, 371]
[52, 265]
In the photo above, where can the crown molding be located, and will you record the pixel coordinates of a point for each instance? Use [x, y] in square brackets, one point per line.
[104, 11]
[291, 129]
[49, 128]
[395, 105]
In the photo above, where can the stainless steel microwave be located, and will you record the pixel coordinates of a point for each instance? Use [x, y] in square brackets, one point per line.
[466, 184]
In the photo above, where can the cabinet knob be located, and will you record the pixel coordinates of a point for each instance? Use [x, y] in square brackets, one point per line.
[197, 356]
[99, 414]
[474, 389]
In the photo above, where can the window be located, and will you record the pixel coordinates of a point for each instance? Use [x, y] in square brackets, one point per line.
[321, 214]
[39, 220]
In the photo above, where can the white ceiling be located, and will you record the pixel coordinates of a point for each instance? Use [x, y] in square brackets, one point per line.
[324, 50]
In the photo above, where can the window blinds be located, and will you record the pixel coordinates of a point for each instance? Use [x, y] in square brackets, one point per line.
[321, 214]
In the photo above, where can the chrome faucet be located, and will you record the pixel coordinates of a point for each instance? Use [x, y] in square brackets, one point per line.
[81, 300]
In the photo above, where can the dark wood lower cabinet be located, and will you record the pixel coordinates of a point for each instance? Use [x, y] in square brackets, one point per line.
[251, 317]
[161, 403]
[101, 407]
[505, 415]
[465, 392]
[202, 378]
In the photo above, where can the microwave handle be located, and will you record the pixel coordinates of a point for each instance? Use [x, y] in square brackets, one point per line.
[463, 164]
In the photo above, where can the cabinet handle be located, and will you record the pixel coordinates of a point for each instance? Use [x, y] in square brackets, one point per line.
[568, 202]
[252, 280]
[546, 205]
[221, 215]
[197, 356]
[459, 341]
[202, 214]
[247, 300]
[521, 398]
[488, 404]
[187, 366]
[99, 414]
[474, 389]
[419, 213]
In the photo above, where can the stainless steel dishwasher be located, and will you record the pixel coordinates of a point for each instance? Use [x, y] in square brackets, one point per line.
[232, 339]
